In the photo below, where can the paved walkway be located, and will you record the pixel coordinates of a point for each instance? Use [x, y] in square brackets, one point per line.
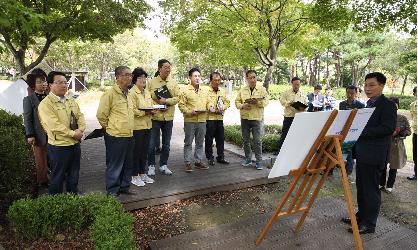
[322, 230]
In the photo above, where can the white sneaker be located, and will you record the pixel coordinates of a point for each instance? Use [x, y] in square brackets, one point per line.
[136, 180]
[165, 170]
[146, 179]
[151, 170]
[389, 190]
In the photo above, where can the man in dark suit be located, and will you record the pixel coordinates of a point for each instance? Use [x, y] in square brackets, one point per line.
[316, 100]
[371, 151]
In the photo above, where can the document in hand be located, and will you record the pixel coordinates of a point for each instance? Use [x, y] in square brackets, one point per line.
[154, 107]
[98, 132]
[249, 100]
[163, 92]
[297, 105]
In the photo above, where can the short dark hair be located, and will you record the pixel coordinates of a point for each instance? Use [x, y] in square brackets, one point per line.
[381, 78]
[39, 72]
[214, 73]
[317, 86]
[137, 73]
[351, 87]
[119, 69]
[295, 79]
[161, 63]
[395, 100]
[52, 74]
[192, 70]
[249, 72]
[414, 90]
[31, 80]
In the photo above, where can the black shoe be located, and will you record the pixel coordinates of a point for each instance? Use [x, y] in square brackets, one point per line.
[113, 194]
[412, 178]
[222, 161]
[127, 192]
[363, 230]
[211, 162]
[347, 220]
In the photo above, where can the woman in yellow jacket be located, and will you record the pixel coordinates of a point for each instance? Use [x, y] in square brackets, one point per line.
[141, 99]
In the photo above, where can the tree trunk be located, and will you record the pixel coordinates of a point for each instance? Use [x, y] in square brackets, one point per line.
[269, 76]
[318, 68]
[404, 84]
[338, 72]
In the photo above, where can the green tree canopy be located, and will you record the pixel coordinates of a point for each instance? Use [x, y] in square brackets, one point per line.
[22, 22]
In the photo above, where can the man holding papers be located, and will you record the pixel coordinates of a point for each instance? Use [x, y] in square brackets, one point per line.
[251, 100]
[164, 91]
[292, 101]
[193, 102]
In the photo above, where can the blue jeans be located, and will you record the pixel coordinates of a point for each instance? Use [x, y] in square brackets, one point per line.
[65, 164]
[119, 163]
[166, 128]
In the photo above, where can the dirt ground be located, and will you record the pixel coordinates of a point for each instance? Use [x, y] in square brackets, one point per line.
[213, 209]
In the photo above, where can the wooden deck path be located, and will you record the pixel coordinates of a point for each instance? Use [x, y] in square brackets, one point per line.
[168, 188]
[322, 230]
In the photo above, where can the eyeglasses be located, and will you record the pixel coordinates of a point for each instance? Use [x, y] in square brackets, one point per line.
[60, 82]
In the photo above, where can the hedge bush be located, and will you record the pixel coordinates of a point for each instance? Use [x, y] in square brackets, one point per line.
[16, 162]
[110, 226]
[270, 138]
[404, 100]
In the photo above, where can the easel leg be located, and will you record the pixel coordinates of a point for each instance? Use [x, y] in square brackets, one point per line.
[279, 208]
[311, 200]
[347, 194]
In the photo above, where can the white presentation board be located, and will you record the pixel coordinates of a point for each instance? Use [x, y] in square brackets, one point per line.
[306, 128]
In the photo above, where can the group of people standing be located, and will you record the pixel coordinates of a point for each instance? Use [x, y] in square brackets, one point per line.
[133, 114]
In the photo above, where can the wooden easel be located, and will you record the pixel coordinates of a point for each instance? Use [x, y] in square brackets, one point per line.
[324, 154]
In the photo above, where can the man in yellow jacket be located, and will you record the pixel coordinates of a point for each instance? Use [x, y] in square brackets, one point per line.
[217, 104]
[251, 100]
[64, 124]
[295, 94]
[115, 115]
[163, 120]
[193, 102]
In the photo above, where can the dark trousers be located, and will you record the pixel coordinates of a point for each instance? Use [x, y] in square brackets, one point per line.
[391, 178]
[287, 122]
[119, 163]
[349, 162]
[368, 193]
[414, 152]
[142, 138]
[214, 129]
[65, 165]
[166, 128]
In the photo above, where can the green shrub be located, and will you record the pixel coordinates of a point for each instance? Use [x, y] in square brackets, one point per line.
[404, 100]
[110, 226]
[270, 138]
[16, 163]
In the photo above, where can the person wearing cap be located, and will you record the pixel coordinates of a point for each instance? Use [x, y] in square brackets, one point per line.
[162, 120]
[64, 125]
[251, 101]
[316, 100]
[141, 98]
[193, 103]
[295, 94]
[115, 115]
[35, 134]
[217, 104]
